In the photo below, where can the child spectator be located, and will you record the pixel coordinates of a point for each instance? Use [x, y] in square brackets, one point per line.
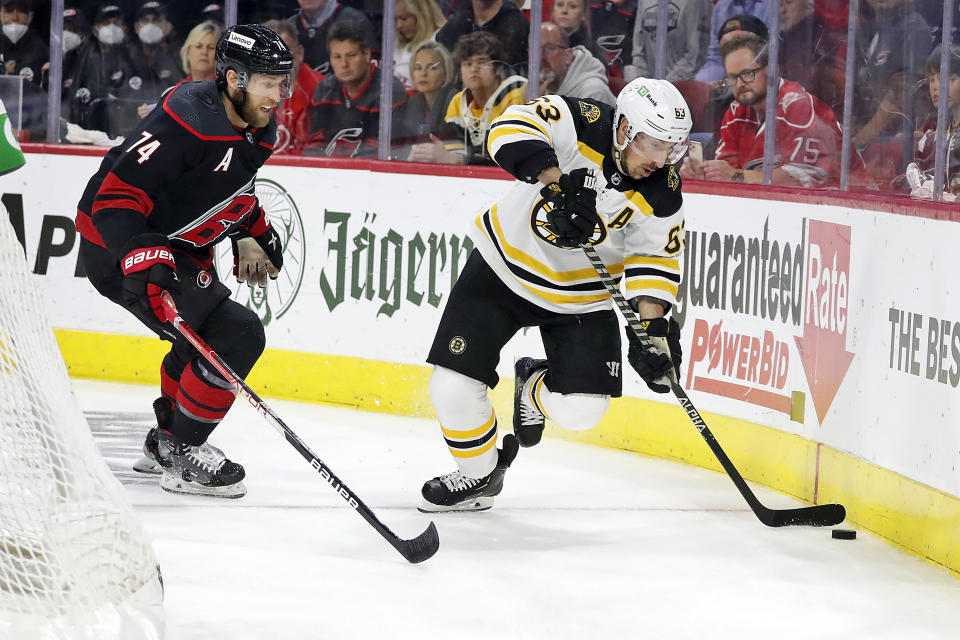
[488, 91]
[687, 21]
[926, 136]
[417, 21]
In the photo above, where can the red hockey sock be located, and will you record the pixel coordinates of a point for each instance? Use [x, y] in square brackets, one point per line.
[201, 405]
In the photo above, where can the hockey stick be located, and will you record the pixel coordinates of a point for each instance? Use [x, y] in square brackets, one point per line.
[821, 515]
[415, 550]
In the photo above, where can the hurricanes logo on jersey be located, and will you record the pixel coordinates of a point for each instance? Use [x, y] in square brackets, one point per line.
[590, 111]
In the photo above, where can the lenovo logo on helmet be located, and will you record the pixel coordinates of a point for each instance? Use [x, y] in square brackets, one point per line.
[243, 41]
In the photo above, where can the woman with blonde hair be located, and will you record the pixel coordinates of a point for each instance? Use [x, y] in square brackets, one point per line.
[415, 22]
[197, 53]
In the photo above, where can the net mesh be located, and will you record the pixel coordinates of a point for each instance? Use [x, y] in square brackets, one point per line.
[69, 542]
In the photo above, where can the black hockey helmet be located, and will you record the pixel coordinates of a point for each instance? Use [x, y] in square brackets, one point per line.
[249, 49]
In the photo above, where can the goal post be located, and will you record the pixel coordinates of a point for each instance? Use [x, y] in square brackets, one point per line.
[74, 561]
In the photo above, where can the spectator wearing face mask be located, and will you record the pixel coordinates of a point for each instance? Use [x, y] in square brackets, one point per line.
[157, 68]
[103, 71]
[22, 51]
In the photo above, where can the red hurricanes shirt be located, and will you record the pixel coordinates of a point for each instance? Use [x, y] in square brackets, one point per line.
[808, 138]
[293, 116]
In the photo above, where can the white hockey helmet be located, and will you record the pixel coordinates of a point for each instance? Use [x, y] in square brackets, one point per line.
[656, 108]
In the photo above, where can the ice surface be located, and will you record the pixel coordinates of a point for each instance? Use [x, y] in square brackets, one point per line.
[584, 542]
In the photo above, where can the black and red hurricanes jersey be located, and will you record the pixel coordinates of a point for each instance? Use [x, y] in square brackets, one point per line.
[185, 172]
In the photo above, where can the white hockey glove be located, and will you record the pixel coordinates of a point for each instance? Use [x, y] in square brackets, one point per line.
[251, 264]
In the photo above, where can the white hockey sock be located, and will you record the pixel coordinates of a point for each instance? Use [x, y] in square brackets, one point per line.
[574, 411]
[467, 420]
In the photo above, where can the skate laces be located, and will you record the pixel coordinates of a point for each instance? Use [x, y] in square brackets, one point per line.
[456, 481]
[529, 414]
[206, 456]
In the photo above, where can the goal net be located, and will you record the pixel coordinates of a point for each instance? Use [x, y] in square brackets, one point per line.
[74, 561]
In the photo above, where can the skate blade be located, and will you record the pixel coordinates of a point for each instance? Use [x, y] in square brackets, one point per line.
[147, 465]
[477, 504]
[173, 484]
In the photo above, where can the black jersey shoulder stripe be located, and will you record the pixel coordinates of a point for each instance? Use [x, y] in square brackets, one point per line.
[523, 274]
[593, 121]
[634, 272]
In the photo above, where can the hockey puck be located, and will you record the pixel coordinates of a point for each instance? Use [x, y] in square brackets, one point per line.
[843, 534]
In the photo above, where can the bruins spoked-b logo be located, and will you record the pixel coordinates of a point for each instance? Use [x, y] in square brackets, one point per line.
[540, 224]
[275, 300]
[589, 111]
[457, 345]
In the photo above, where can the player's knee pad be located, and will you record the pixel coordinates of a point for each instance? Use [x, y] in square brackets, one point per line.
[577, 411]
[457, 398]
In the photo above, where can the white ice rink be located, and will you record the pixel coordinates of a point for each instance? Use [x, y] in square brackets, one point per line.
[583, 542]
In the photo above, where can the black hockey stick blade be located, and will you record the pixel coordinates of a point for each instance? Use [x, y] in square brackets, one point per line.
[821, 515]
[420, 548]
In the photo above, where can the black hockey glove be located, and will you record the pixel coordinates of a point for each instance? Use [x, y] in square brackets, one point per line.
[653, 363]
[148, 270]
[573, 217]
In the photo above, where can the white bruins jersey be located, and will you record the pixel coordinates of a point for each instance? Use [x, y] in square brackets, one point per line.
[641, 234]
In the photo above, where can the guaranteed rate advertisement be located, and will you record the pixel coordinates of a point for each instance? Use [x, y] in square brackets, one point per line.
[836, 324]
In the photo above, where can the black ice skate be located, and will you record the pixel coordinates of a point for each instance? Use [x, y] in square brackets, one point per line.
[527, 417]
[198, 469]
[456, 492]
[163, 409]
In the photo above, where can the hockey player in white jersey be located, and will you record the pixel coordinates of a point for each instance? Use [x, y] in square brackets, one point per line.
[586, 173]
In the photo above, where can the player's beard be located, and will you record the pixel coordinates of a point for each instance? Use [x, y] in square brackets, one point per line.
[249, 113]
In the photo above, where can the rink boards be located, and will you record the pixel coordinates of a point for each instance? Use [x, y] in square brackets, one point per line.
[821, 342]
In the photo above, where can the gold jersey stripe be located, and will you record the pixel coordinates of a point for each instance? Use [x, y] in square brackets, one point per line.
[520, 116]
[636, 198]
[643, 283]
[460, 453]
[538, 267]
[668, 263]
[504, 130]
[470, 433]
[591, 154]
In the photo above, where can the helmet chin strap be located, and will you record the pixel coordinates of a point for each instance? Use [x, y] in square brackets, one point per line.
[618, 148]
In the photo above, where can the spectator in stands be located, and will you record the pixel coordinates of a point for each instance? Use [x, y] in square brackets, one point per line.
[197, 52]
[612, 23]
[713, 70]
[212, 12]
[293, 114]
[416, 22]
[76, 31]
[808, 141]
[498, 17]
[345, 113]
[314, 20]
[812, 53]
[926, 135]
[570, 71]
[433, 79]
[573, 17]
[488, 91]
[687, 21]
[22, 51]
[891, 47]
[102, 75]
[156, 66]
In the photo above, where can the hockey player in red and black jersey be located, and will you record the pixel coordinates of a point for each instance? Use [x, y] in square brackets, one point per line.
[180, 183]
[586, 173]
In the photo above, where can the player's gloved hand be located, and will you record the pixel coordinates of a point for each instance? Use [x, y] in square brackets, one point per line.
[653, 362]
[253, 262]
[573, 216]
[148, 270]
